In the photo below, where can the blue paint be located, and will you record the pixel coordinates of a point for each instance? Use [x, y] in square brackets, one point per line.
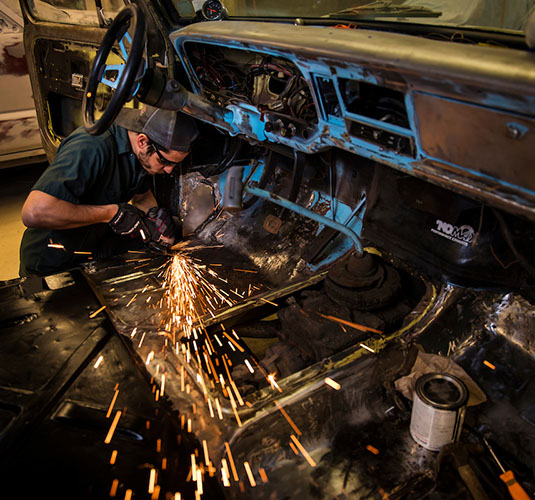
[520, 127]
[256, 170]
[332, 132]
[494, 102]
[526, 103]
[324, 113]
[487, 177]
[122, 47]
[112, 67]
[341, 244]
[120, 67]
[246, 119]
[339, 137]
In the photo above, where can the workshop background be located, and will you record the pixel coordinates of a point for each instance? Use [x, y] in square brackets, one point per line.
[15, 184]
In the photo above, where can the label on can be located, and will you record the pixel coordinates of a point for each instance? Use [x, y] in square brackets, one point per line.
[438, 410]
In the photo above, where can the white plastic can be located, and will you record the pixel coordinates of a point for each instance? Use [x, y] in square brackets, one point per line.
[438, 409]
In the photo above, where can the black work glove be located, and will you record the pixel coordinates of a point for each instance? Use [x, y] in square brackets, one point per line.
[160, 225]
[130, 220]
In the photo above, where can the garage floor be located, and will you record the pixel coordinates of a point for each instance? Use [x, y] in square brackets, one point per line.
[15, 184]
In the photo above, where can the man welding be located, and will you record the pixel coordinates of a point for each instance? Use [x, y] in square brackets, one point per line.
[94, 200]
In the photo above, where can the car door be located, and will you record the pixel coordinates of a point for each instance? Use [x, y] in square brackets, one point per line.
[61, 38]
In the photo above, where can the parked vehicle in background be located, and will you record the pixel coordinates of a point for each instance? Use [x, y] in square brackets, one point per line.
[20, 139]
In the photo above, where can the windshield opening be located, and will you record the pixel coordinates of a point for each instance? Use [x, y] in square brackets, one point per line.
[499, 15]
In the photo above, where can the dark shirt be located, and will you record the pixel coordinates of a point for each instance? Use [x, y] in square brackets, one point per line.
[87, 170]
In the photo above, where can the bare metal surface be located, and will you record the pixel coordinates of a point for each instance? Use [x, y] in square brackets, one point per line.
[452, 132]
[507, 69]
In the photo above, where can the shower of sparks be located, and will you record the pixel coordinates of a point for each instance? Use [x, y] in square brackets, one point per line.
[107, 440]
[372, 449]
[132, 300]
[356, 326]
[332, 383]
[263, 475]
[364, 346]
[141, 341]
[225, 475]
[56, 245]
[99, 361]
[152, 480]
[193, 293]
[247, 468]
[268, 301]
[92, 315]
[232, 465]
[248, 365]
[206, 456]
[112, 404]
[287, 417]
[272, 381]
[302, 449]
[489, 364]
[189, 295]
[114, 486]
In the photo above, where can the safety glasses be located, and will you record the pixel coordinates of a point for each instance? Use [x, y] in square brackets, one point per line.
[164, 161]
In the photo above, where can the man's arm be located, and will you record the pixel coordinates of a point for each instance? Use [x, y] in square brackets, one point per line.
[41, 210]
[144, 201]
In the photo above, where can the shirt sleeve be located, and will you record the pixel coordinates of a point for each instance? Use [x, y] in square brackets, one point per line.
[75, 169]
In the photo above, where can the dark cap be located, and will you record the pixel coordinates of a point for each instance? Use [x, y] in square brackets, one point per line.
[171, 129]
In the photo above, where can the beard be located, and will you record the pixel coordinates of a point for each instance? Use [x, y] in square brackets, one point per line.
[143, 158]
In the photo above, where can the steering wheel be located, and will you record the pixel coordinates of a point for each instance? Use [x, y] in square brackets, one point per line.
[123, 76]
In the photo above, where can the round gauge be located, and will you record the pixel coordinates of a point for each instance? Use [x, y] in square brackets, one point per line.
[213, 10]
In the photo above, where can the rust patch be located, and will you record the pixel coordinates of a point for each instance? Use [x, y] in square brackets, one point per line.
[30, 130]
[322, 207]
[5, 129]
[12, 61]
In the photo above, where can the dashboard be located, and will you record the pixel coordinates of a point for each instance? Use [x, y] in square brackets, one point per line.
[461, 116]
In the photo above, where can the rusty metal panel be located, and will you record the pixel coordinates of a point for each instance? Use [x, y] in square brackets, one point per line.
[20, 139]
[413, 57]
[484, 140]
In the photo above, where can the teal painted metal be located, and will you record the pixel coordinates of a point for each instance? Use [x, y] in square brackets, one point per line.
[283, 202]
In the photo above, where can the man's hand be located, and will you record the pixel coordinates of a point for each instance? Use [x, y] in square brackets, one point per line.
[161, 225]
[129, 220]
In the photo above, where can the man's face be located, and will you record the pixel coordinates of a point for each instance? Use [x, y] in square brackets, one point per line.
[156, 161]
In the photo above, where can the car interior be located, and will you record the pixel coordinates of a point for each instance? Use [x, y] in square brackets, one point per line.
[362, 197]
